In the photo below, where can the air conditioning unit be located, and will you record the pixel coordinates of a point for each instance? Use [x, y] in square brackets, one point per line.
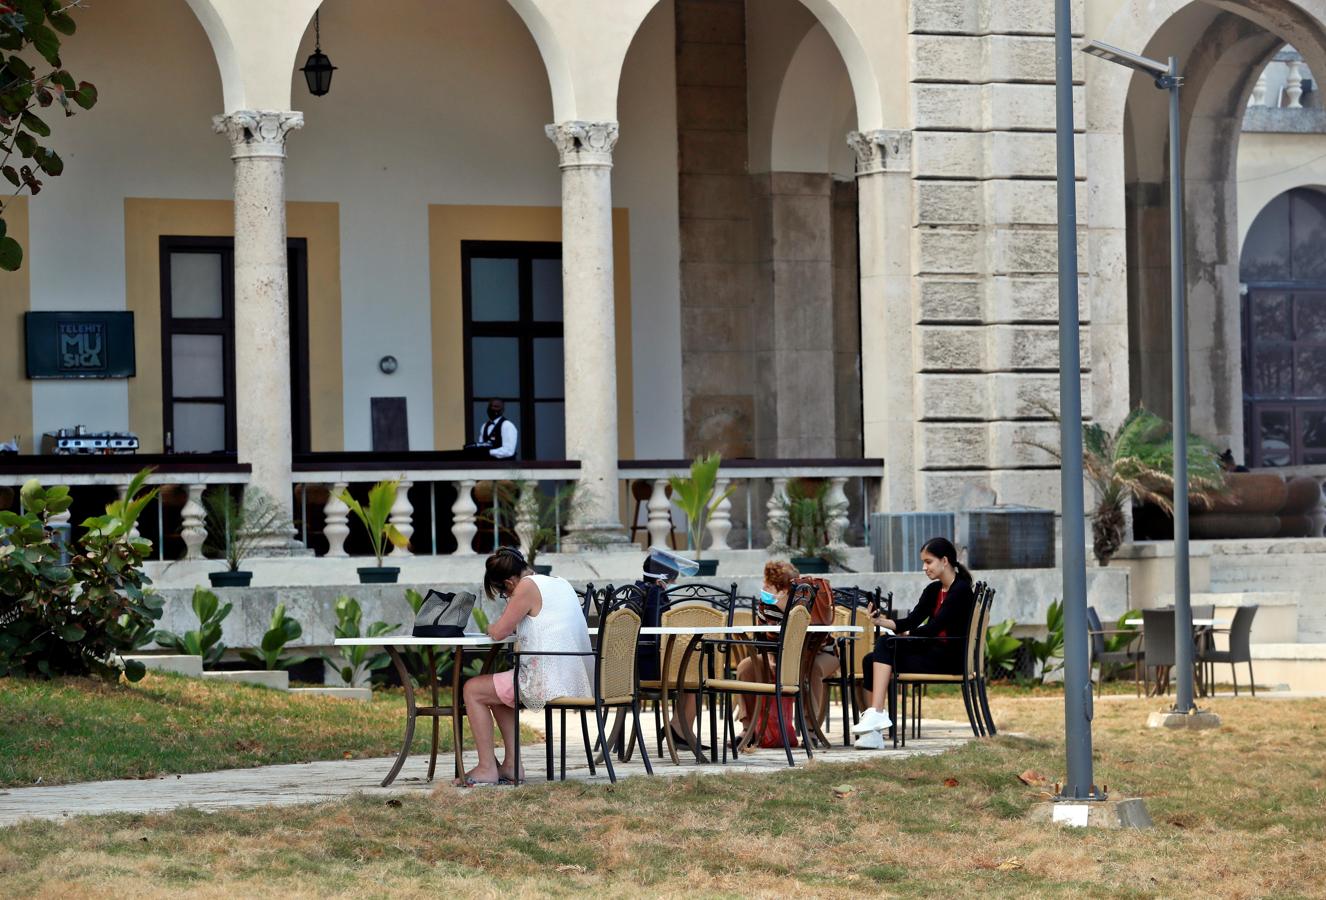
[896, 539]
[1007, 537]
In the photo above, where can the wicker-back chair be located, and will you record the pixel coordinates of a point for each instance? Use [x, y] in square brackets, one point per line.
[966, 679]
[684, 606]
[616, 685]
[788, 664]
[850, 608]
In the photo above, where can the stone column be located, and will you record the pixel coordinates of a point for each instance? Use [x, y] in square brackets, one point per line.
[585, 151]
[262, 314]
[884, 195]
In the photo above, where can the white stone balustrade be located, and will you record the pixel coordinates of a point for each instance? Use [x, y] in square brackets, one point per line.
[660, 514]
[336, 527]
[194, 522]
[720, 519]
[402, 518]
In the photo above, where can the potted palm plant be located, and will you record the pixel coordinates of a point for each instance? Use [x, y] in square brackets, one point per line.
[376, 518]
[237, 522]
[697, 496]
[1136, 463]
[536, 517]
[806, 506]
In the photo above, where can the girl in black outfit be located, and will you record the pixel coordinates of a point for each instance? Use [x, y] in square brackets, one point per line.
[944, 611]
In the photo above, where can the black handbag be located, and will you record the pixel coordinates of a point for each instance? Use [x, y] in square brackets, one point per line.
[444, 615]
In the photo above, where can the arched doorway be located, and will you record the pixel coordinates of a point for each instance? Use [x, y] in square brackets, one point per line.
[1284, 332]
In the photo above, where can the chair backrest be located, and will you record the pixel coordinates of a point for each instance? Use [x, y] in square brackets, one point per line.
[1240, 634]
[1094, 627]
[1204, 611]
[791, 643]
[689, 614]
[615, 673]
[742, 613]
[719, 597]
[1158, 636]
[974, 631]
[985, 601]
[849, 608]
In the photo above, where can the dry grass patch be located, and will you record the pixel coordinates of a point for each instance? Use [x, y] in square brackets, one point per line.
[1239, 812]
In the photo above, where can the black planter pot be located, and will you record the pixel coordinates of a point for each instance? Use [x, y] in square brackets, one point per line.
[708, 568]
[541, 569]
[230, 579]
[378, 574]
[811, 565]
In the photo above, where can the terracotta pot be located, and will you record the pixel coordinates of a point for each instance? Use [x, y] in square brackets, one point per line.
[1252, 493]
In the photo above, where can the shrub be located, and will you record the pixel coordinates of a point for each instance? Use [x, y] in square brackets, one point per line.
[74, 610]
[280, 631]
[356, 665]
[206, 640]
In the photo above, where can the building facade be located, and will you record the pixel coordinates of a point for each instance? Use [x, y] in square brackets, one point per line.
[784, 229]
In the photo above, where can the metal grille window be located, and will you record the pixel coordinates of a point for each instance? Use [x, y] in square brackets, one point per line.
[1284, 332]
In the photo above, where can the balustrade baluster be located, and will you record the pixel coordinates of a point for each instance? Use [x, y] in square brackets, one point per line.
[463, 511]
[836, 507]
[720, 520]
[402, 516]
[193, 528]
[777, 519]
[660, 514]
[336, 520]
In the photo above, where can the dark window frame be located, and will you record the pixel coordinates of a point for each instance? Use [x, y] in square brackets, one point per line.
[297, 255]
[1295, 403]
[524, 328]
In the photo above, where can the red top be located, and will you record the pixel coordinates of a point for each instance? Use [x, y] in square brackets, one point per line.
[939, 604]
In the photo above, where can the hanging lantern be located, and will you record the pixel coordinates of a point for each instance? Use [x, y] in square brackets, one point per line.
[318, 70]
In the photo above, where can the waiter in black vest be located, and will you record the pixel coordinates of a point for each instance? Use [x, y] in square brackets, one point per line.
[498, 434]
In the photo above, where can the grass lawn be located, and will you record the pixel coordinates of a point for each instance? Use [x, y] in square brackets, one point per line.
[76, 729]
[1239, 812]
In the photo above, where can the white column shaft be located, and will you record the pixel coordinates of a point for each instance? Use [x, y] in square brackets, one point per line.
[262, 315]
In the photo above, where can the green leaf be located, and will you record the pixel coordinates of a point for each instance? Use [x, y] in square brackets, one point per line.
[86, 95]
[25, 143]
[134, 670]
[72, 633]
[50, 162]
[34, 123]
[62, 22]
[11, 254]
[46, 42]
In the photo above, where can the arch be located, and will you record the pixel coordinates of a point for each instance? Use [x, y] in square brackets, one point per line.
[554, 58]
[255, 44]
[1222, 46]
[807, 132]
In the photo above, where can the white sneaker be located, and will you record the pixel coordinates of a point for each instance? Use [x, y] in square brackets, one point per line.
[871, 740]
[872, 720]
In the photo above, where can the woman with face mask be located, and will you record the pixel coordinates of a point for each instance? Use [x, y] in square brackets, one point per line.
[779, 580]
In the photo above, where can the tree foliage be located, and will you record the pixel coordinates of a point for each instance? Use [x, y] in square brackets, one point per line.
[33, 78]
[73, 610]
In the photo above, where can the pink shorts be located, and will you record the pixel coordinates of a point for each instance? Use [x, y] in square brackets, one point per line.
[505, 688]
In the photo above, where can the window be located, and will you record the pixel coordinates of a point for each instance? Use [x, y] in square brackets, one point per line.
[198, 344]
[513, 340]
[1284, 332]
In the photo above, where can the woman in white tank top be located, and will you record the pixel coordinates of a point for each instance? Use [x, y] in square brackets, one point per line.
[545, 615]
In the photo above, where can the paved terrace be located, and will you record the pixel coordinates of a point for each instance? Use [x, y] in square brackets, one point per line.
[321, 781]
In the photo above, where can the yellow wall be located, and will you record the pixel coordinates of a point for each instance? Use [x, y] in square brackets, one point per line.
[146, 220]
[447, 227]
[15, 388]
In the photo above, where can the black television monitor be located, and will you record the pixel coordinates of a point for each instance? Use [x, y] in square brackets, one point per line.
[79, 344]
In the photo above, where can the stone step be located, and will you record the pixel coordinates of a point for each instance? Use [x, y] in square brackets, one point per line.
[180, 664]
[278, 679]
[1301, 667]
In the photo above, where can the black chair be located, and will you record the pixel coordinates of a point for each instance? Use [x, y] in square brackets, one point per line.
[1129, 656]
[972, 638]
[1157, 647]
[1240, 647]
[982, 691]
[850, 607]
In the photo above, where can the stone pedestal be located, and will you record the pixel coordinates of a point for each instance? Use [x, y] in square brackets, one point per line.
[585, 152]
[1123, 812]
[1197, 720]
[262, 315]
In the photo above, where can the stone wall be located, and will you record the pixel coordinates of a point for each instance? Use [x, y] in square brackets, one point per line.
[984, 250]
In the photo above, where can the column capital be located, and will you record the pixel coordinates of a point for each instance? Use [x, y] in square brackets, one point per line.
[257, 133]
[583, 143]
[884, 150]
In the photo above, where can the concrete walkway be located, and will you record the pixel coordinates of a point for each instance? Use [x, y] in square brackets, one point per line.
[322, 781]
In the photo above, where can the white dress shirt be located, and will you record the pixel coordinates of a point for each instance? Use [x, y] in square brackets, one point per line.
[507, 449]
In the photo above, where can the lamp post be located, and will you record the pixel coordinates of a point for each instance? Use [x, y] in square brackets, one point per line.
[1079, 785]
[1167, 78]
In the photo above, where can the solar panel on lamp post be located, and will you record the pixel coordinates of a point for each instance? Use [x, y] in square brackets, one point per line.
[1167, 78]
